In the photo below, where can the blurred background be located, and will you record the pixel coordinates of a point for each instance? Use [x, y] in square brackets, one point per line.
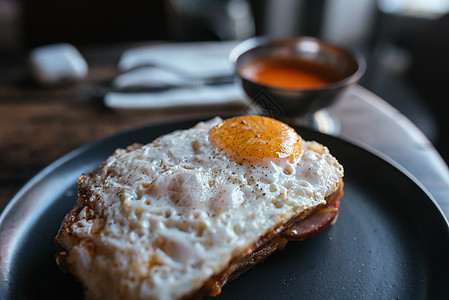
[406, 43]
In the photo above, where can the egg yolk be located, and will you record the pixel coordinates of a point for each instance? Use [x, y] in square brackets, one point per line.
[250, 139]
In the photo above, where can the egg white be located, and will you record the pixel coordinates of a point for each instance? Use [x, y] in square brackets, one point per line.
[164, 218]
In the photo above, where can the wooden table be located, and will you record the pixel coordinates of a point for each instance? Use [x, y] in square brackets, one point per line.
[39, 125]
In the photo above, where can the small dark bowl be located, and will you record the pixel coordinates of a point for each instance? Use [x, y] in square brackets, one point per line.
[297, 102]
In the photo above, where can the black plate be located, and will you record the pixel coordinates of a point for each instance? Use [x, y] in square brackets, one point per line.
[391, 240]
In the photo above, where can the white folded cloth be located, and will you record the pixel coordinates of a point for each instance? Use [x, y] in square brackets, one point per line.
[228, 94]
[195, 60]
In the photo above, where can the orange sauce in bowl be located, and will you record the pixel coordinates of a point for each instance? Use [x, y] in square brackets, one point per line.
[289, 73]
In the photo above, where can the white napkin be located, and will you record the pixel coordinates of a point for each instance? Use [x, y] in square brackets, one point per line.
[194, 60]
[201, 96]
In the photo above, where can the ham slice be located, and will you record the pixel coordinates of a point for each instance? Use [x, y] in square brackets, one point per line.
[318, 220]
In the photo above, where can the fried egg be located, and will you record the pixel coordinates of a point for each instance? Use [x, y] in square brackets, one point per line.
[158, 221]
